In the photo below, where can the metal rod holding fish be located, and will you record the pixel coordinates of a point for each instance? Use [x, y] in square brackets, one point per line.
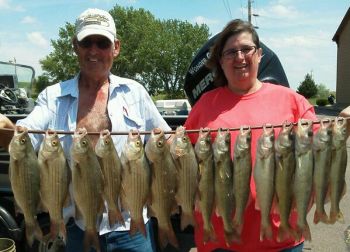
[62, 132]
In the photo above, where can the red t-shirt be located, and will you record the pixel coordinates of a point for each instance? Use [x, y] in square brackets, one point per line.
[221, 108]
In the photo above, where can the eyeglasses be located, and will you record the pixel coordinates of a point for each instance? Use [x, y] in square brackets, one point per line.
[102, 43]
[232, 53]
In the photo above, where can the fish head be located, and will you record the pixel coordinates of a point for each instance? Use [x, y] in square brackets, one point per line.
[203, 144]
[266, 141]
[158, 137]
[339, 131]
[52, 142]
[81, 142]
[304, 132]
[324, 133]
[181, 143]
[244, 137]
[134, 146]
[285, 139]
[223, 140]
[156, 144]
[19, 143]
[104, 145]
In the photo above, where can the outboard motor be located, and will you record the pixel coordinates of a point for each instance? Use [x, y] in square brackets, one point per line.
[199, 79]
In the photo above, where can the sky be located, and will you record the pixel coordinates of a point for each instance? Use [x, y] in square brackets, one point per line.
[300, 32]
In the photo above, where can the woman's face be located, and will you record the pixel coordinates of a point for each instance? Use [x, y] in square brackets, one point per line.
[240, 61]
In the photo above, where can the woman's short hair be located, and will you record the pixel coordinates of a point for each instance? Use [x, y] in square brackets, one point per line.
[234, 27]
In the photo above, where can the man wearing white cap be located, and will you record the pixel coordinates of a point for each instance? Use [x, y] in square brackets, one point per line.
[97, 100]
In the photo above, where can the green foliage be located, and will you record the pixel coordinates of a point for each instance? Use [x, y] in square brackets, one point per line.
[61, 64]
[307, 87]
[157, 53]
[41, 82]
[322, 91]
[321, 102]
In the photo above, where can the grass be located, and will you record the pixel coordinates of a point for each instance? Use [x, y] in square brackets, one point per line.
[312, 100]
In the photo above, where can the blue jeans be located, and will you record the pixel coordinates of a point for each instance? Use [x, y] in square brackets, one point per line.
[298, 248]
[113, 241]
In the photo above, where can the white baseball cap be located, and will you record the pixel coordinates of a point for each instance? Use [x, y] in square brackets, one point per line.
[95, 22]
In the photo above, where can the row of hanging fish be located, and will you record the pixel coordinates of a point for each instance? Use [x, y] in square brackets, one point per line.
[162, 176]
[296, 169]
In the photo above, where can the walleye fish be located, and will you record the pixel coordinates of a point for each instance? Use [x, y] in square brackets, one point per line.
[242, 163]
[55, 178]
[322, 148]
[224, 196]
[25, 181]
[338, 168]
[136, 181]
[303, 175]
[112, 171]
[87, 186]
[163, 186]
[204, 154]
[264, 174]
[285, 168]
[186, 164]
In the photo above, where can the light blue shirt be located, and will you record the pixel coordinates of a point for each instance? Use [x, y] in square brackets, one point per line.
[129, 107]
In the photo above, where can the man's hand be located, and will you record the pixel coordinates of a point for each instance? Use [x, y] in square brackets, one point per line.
[5, 135]
[346, 113]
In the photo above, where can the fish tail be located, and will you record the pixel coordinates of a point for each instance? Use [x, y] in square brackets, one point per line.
[336, 216]
[33, 231]
[265, 232]
[304, 232]
[53, 229]
[115, 216]
[285, 232]
[237, 225]
[209, 234]
[320, 216]
[231, 237]
[137, 225]
[165, 236]
[91, 240]
[62, 231]
[187, 219]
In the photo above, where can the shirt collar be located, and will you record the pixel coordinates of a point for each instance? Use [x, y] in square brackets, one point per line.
[70, 87]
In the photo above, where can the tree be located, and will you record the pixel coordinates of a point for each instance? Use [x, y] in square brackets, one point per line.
[41, 82]
[157, 53]
[322, 91]
[61, 63]
[307, 87]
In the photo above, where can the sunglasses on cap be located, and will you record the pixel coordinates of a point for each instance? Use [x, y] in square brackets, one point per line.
[101, 43]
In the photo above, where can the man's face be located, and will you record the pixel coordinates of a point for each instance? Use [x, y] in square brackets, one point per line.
[96, 54]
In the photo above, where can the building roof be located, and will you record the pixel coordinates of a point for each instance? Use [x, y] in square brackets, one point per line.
[341, 26]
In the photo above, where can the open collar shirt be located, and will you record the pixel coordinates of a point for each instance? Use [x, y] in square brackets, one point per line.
[129, 107]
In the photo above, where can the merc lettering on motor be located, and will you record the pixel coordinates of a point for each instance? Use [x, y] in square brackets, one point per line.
[199, 88]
